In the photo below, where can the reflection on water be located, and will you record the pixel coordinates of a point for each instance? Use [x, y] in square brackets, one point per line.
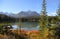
[27, 26]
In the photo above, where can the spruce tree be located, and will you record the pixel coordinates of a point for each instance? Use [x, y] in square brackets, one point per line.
[58, 11]
[43, 22]
[58, 22]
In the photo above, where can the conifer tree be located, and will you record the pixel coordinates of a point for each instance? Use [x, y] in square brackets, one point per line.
[43, 21]
[58, 11]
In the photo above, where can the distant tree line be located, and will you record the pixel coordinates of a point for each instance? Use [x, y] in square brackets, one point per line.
[5, 18]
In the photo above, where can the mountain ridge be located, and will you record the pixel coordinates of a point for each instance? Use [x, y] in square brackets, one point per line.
[22, 14]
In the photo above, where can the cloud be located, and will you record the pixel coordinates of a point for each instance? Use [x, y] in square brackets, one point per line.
[52, 14]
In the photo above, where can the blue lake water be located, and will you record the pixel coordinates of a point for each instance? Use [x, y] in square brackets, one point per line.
[26, 26]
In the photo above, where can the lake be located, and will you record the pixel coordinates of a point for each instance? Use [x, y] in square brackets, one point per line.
[26, 25]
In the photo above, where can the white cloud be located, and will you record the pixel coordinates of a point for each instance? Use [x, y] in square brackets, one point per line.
[52, 14]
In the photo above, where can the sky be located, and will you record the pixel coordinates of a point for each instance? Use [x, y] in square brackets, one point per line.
[16, 6]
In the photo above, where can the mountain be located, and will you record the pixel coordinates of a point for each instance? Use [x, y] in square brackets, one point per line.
[13, 15]
[22, 14]
[28, 14]
[9, 14]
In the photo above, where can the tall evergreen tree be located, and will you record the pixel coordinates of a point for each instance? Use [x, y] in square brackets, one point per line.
[58, 22]
[43, 11]
[58, 11]
[58, 15]
[43, 21]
